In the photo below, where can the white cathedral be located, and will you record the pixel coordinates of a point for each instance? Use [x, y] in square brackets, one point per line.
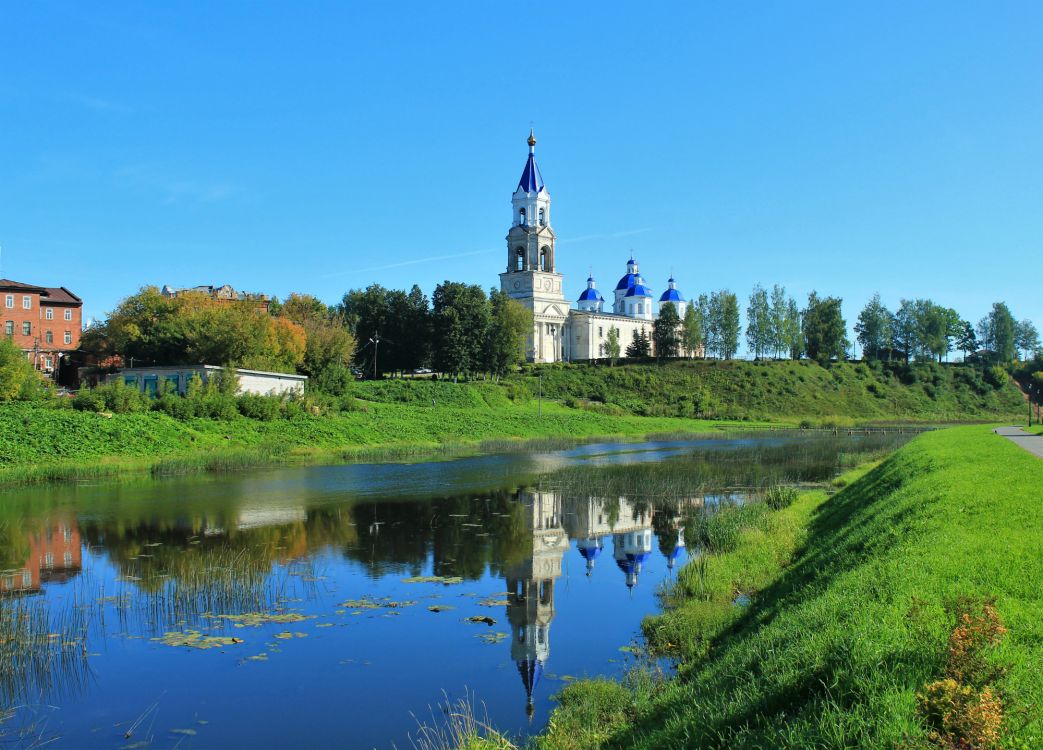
[561, 332]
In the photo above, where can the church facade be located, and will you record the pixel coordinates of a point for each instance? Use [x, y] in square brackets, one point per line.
[562, 332]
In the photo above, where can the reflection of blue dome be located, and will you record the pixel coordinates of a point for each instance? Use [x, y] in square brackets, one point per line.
[639, 558]
[676, 552]
[590, 553]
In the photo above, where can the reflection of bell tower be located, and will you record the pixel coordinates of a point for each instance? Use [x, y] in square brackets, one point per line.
[531, 277]
[530, 589]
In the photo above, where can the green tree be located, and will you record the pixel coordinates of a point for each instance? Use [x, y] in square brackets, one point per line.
[905, 330]
[967, 342]
[18, 379]
[794, 336]
[612, 347]
[641, 346]
[329, 344]
[758, 323]
[825, 332]
[149, 328]
[873, 329]
[997, 332]
[692, 337]
[777, 321]
[723, 324]
[666, 332]
[510, 324]
[1026, 338]
[460, 318]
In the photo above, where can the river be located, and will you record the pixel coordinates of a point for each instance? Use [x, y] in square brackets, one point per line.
[329, 606]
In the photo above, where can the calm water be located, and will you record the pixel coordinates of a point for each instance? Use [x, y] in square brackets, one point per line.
[337, 649]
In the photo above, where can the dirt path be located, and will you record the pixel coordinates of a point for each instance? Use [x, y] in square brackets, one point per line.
[1032, 443]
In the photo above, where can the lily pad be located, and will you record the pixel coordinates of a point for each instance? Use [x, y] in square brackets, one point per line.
[493, 603]
[253, 619]
[445, 580]
[440, 607]
[492, 638]
[195, 639]
[482, 619]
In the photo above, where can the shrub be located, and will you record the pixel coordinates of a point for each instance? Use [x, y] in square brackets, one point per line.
[173, 405]
[963, 710]
[264, 408]
[88, 400]
[995, 376]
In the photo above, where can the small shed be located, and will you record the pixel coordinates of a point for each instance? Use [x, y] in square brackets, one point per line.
[147, 379]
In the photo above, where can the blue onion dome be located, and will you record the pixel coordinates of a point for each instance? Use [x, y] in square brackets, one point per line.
[638, 289]
[590, 294]
[639, 558]
[631, 276]
[672, 294]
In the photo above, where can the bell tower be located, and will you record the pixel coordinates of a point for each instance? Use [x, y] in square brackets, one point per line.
[531, 277]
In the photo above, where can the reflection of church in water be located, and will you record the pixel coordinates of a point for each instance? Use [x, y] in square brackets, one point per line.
[552, 523]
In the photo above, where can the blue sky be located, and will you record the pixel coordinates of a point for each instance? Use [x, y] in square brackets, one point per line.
[843, 147]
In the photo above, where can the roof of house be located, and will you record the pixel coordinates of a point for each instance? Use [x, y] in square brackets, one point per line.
[56, 294]
[8, 284]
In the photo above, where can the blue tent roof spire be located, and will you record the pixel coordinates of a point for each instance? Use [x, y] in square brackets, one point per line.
[531, 180]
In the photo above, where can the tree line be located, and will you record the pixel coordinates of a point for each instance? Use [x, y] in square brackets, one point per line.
[372, 331]
[776, 327]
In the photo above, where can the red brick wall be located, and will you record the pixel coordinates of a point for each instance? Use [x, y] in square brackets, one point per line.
[39, 324]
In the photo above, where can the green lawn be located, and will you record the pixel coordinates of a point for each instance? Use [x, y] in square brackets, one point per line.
[853, 604]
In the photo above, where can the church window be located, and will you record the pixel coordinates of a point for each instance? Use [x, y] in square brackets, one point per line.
[600, 333]
[521, 216]
[543, 218]
[519, 259]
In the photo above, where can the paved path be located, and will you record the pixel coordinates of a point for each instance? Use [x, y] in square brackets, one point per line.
[1032, 443]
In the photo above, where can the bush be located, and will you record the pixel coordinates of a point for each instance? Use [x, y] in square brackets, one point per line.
[264, 408]
[114, 396]
[173, 405]
[88, 400]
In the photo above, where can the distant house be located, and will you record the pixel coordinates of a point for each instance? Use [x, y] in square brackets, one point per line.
[224, 293]
[43, 321]
[148, 379]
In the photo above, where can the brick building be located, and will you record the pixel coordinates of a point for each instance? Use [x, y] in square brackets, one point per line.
[44, 322]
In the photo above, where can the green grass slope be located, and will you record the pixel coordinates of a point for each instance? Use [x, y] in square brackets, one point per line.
[785, 390]
[41, 442]
[839, 640]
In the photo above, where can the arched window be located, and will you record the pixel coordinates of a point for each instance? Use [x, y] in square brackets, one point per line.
[519, 259]
[543, 218]
[521, 216]
[543, 259]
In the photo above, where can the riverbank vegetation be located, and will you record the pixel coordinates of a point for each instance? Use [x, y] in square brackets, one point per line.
[113, 430]
[902, 611]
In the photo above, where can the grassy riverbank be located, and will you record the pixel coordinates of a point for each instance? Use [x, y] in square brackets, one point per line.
[842, 393]
[854, 603]
[39, 443]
